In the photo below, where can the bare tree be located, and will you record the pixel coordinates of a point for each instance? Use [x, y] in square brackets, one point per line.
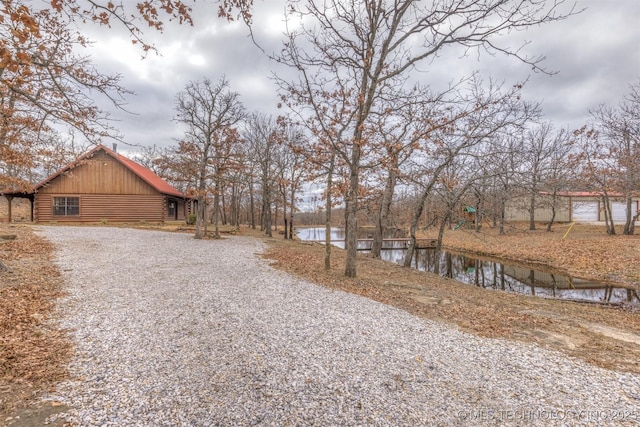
[223, 163]
[352, 54]
[45, 84]
[134, 16]
[454, 182]
[291, 169]
[505, 169]
[260, 134]
[597, 170]
[400, 130]
[322, 165]
[152, 158]
[536, 149]
[484, 114]
[209, 111]
[560, 171]
[240, 180]
[620, 137]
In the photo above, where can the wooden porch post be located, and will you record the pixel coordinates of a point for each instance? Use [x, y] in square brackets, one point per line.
[9, 199]
[32, 201]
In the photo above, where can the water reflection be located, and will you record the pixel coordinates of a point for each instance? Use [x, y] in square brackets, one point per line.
[489, 274]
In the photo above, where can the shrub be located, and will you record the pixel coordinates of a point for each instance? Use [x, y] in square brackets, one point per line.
[192, 219]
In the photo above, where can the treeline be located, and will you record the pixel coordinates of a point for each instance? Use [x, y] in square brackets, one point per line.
[488, 151]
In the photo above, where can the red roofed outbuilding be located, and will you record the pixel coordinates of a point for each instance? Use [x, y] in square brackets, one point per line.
[102, 185]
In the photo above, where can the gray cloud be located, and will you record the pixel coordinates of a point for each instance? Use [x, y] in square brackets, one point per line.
[596, 55]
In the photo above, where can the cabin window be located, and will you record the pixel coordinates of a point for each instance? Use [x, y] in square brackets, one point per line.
[66, 206]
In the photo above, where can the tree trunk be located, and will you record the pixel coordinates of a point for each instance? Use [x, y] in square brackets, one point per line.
[494, 213]
[554, 201]
[204, 217]
[383, 213]
[199, 218]
[532, 212]
[238, 209]
[252, 207]
[503, 209]
[9, 213]
[233, 205]
[436, 267]
[221, 212]
[327, 235]
[415, 221]
[284, 218]
[216, 212]
[414, 227]
[418, 213]
[201, 198]
[275, 214]
[378, 235]
[292, 209]
[632, 227]
[608, 218]
[266, 209]
[479, 209]
[628, 223]
[291, 228]
[234, 208]
[351, 222]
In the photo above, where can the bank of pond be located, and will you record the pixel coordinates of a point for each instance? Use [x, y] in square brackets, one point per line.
[493, 274]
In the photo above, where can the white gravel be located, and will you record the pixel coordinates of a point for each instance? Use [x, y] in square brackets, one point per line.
[172, 331]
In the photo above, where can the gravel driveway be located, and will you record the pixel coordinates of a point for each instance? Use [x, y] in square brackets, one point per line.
[172, 331]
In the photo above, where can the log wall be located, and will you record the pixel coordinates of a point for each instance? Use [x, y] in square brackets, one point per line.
[105, 207]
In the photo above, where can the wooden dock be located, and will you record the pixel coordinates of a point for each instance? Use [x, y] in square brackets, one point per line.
[398, 243]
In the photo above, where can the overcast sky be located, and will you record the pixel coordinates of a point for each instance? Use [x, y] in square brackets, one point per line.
[596, 55]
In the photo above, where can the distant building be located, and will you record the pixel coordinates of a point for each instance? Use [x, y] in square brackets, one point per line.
[578, 206]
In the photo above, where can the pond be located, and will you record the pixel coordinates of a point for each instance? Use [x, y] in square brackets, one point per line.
[491, 273]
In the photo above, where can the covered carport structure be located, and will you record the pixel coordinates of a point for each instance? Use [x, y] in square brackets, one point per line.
[18, 195]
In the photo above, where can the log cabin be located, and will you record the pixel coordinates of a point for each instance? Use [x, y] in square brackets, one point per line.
[103, 186]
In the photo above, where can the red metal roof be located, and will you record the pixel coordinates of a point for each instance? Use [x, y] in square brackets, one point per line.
[143, 173]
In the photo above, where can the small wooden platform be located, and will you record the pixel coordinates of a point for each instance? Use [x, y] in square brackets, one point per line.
[397, 243]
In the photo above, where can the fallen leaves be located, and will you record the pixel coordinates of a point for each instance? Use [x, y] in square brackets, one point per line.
[33, 353]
